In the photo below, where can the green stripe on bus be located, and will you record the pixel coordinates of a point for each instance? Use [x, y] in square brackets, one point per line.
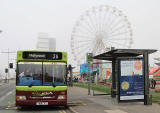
[41, 88]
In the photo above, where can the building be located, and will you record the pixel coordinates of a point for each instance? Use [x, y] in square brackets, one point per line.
[45, 42]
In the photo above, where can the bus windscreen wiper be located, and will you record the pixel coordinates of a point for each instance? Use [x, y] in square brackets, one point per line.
[53, 85]
[30, 85]
[58, 84]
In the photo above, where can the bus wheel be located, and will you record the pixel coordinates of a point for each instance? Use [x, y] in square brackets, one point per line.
[66, 107]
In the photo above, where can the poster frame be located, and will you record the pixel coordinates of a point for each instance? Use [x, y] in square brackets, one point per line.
[119, 74]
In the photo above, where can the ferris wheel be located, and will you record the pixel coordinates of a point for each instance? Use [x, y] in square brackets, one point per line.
[98, 29]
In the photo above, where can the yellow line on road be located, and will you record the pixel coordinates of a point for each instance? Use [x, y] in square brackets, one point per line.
[71, 109]
[115, 111]
[60, 112]
[81, 104]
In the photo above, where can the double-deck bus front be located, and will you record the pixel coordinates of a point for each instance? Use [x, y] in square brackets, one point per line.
[40, 81]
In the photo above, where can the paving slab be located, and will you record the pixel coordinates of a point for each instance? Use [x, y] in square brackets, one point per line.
[106, 104]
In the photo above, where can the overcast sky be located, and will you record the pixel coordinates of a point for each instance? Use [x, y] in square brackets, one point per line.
[22, 20]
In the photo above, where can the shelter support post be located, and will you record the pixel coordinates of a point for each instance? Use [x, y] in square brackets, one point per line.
[113, 89]
[89, 79]
[71, 76]
[147, 97]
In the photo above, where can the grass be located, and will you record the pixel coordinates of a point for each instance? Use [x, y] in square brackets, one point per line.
[105, 88]
[155, 97]
[101, 88]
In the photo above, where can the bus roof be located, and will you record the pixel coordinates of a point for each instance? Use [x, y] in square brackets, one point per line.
[40, 51]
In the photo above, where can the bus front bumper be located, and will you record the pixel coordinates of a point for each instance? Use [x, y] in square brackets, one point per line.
[41, 102]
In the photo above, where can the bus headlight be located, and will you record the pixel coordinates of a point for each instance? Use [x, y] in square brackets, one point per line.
[61, 97]
[20, 97]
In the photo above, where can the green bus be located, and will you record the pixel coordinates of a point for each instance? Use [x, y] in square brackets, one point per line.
[41, 78]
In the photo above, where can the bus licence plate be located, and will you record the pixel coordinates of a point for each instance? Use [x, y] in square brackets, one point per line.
[41, 103]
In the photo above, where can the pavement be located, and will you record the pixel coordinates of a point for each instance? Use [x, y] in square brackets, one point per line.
[78, 102]
[85, 103]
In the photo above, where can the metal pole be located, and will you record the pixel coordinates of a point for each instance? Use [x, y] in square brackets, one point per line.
[8, 64]
[71, 75]
[146, 80]
[89, 77]
[113, 89]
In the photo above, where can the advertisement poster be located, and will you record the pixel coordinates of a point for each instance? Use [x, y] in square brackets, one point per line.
[131, 79]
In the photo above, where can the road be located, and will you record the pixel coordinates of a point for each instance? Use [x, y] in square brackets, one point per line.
[78, 102]
[7, 102]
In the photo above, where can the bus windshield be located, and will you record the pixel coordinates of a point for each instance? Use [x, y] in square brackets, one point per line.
[41, 73]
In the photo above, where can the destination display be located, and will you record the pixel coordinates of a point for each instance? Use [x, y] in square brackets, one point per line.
[131, 79]
[42, 55]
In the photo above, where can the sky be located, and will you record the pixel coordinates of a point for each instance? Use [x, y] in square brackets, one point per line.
[22, 20]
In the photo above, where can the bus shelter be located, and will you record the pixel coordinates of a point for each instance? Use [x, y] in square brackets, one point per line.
[130, 74]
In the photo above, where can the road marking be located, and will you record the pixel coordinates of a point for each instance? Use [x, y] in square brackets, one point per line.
[9, 104]
[82, 104]
[115, 111]
[60, 112]
[71, 109]
[2, 98]
[76, 104]
[11, 108]
[5, 96]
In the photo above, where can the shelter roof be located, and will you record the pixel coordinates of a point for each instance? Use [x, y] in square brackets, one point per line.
[123, 53]
[157, 64]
